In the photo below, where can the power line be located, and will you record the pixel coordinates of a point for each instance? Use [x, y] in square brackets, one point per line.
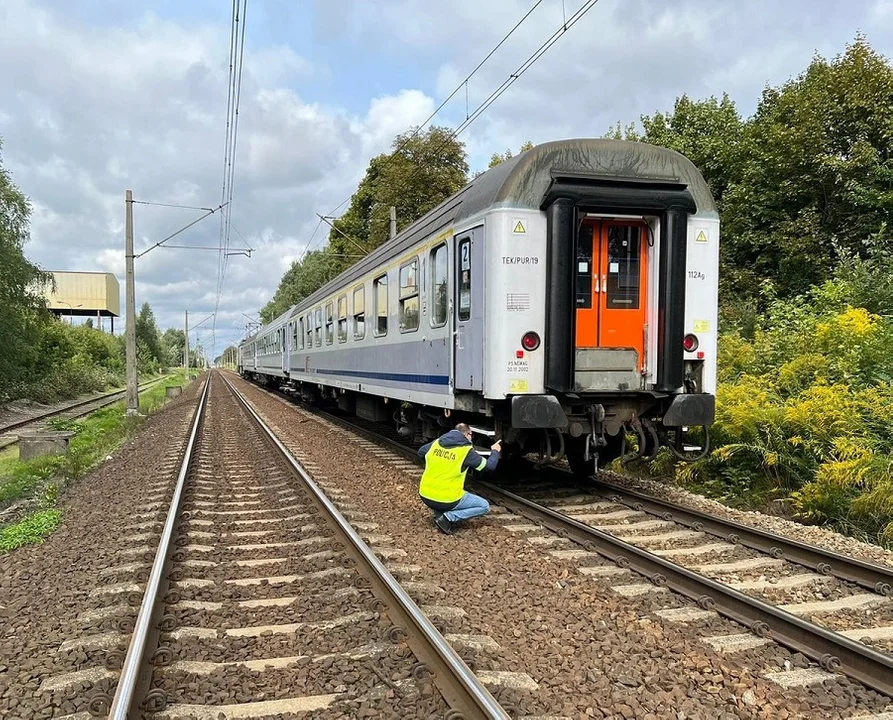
[458, 87]
[506, 84]
[234, 99]
[567, 23]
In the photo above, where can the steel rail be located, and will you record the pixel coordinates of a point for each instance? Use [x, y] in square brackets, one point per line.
[135, 659]
[106, 399]
[874, 577]
[461, 689]
[831, 650]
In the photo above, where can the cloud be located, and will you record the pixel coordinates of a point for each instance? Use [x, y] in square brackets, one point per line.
[93, 111]
[136, 99]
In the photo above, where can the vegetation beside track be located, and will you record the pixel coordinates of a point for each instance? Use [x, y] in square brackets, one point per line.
[33, 487]
[805, 408]
[805, 397]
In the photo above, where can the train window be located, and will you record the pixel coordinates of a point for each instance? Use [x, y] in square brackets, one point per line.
[317, 326]
[439, 297]
[409, 296]
[294, 335]
[623, 267]
[342, 319]
[330, 323]
[299, 334]
[359, 313]
[584, 267]
[381, 305]
[465, 279]
[308, 329]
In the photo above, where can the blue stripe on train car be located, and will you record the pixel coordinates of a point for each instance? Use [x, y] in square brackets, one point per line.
[396, 377]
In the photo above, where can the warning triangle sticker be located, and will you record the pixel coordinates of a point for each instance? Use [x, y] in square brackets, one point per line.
[519, 228]
[702, 237]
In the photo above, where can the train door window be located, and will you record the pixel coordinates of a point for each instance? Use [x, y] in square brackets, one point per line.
[294, 335]
[317, 326]
[622, 286]
[585, 269]
[330, 323]
[342, 319]
[439, 297]
[359, 313]
[381, 305]
[299, 332]
[465, 279]
[308, 329]
[409, 296]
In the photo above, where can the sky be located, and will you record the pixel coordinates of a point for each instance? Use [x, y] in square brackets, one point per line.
[100, 96]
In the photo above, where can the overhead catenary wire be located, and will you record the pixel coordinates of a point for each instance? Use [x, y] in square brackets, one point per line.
[233, 104]
[506, 84]
[182, 229]
[460, 86]
[567, 24]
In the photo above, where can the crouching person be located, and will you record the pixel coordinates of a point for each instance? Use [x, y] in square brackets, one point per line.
[442, 488]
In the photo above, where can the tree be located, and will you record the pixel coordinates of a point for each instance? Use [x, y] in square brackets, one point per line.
[21, 302]
[147, 337]
[817, 171]
[708, 132]
[423, 170]
[497, 158]
[172, 344]
[804, 182]
[302, 279]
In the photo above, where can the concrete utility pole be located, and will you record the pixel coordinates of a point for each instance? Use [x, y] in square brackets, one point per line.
[393, 222]
[186, 346]
[132, 394]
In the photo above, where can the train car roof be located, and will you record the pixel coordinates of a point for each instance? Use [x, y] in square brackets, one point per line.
[523, 182]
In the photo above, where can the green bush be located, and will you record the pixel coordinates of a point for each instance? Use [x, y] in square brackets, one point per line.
[805, 412]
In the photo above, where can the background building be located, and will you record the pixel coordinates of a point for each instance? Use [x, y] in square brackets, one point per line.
[85, 294]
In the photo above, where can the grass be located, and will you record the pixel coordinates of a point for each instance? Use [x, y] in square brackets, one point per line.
[98, 435]
[33, 529]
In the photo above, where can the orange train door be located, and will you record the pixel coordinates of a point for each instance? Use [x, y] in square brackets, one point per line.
[611, 285]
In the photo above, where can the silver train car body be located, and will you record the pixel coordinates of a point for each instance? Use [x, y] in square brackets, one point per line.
[561, 300]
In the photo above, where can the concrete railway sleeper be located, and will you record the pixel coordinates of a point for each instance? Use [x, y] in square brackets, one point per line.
[833, 651]
[874, 577]
[253, 560]
[70, 411]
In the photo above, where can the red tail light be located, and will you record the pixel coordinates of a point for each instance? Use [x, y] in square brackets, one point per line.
[530, 341]
[690, 343]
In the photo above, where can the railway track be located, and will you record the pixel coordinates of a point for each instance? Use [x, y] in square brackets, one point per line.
[262, 598]
[8, 435]
[835, 610]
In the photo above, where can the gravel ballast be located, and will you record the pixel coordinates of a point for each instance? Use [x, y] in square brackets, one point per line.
[591, 651]
[273, 612]
[49, 592]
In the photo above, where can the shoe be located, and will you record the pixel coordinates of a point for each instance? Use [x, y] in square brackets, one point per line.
[446, 527]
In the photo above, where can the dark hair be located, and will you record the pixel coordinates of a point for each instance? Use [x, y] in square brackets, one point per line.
[463, 428]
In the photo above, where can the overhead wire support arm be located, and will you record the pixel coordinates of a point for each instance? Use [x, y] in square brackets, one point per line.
[347, 237]
[182, 229]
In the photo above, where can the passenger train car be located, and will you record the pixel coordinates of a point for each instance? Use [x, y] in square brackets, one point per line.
[560, 301]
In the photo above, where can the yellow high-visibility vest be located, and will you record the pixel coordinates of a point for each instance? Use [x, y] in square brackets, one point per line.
[444, 479]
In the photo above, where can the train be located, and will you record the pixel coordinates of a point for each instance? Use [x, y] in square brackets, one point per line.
[564, 301]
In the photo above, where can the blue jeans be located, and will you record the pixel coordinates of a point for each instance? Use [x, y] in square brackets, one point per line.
[469, 506]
